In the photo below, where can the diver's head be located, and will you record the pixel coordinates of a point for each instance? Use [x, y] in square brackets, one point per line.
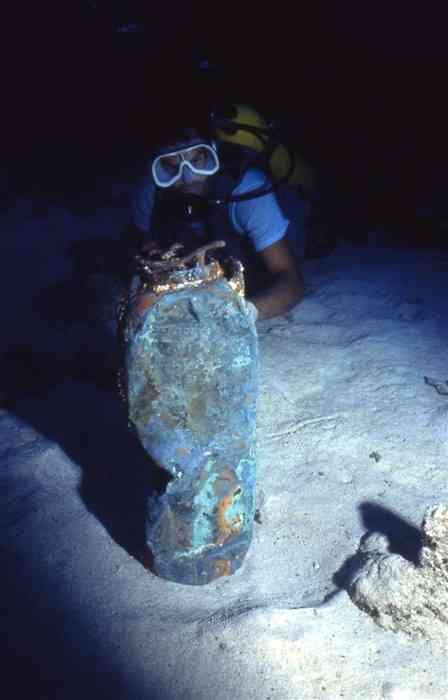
[184, 160]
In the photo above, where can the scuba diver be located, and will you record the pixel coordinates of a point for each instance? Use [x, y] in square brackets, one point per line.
[219, 178]
[225, 177]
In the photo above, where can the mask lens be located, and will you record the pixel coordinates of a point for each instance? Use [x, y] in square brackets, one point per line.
[167, 168]
[202, 161]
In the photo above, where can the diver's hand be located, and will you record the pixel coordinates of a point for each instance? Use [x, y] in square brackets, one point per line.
[149, 247]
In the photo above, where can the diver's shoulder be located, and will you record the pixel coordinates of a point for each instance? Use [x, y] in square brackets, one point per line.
[253, 178]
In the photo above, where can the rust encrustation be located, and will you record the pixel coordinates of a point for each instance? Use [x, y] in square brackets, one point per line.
[228, 529]
[168, 272]
[223, 567]
[189, 348]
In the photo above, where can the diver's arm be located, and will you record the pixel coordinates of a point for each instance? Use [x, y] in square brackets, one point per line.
[287, 288]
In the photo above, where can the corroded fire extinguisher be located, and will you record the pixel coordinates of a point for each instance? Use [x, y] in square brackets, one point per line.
[190, 381]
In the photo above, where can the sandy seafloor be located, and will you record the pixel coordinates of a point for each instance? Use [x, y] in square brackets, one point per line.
[350, 439]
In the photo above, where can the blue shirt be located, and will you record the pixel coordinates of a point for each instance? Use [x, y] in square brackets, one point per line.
[260, 218]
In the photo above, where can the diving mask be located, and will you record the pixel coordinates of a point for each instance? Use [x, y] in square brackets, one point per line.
[199, 159]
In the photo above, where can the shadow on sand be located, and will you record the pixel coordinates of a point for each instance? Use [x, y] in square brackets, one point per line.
[404, 539]
[41, 652]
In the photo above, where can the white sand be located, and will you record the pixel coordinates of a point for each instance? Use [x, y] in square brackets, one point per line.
[350, 438]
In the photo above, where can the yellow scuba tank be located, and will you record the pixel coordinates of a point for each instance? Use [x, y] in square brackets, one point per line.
[255, 135]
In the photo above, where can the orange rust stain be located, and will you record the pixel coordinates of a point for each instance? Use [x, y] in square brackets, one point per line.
[226, 478]
[183, 451]
[227, 529]
[169, 420]
[146, 558]
[222, 567]
[240, 445]
[145, 302]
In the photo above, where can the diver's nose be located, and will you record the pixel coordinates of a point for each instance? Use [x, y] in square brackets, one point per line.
[187, 175]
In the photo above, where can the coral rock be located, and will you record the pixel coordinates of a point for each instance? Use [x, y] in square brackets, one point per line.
[399, 595]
